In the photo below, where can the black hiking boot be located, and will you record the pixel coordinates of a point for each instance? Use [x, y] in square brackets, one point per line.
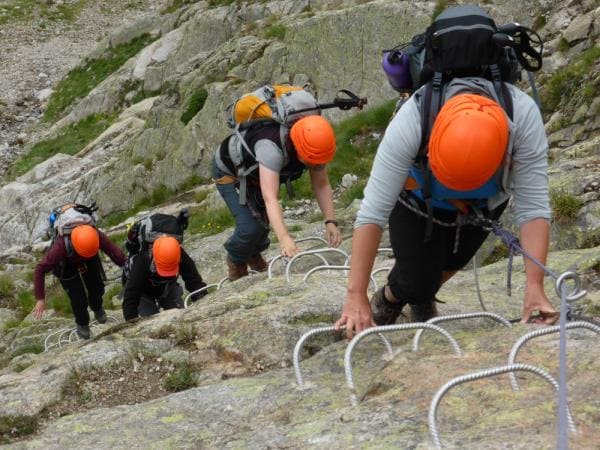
[384, 311]
[423, 311]
[83, 331]
[100, 315]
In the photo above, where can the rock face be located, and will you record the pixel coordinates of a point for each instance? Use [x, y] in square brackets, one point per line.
[247, 330]
[231, 352]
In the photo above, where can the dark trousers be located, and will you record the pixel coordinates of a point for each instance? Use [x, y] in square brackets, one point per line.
[417, 274]
[250, 238]
[170, 298]
[84, 286]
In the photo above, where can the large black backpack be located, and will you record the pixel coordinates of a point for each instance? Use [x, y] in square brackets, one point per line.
[463, 41]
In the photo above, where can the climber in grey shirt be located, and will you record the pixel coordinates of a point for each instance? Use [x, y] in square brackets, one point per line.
[519, 170]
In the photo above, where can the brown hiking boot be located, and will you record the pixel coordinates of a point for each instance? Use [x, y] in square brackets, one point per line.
[384, 311]
[257, 263]
[235, 271]
[423, 311]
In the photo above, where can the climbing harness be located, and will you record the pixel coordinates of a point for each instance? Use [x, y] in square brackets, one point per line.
[478, 376]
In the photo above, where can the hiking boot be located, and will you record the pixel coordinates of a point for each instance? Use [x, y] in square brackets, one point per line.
[235, 271]
[257, 263]
[384, 311]
[100, 315]
[83, 331]
[423, 311]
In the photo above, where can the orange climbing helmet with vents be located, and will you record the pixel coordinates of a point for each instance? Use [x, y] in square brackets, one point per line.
[166, 253]
[314, 140]
[468, 141]
[85, 240]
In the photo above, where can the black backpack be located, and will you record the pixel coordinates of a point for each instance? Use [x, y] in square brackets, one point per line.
[463, 41]
[144, 232]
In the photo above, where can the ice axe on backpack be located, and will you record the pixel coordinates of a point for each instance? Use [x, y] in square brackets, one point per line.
[346, 102]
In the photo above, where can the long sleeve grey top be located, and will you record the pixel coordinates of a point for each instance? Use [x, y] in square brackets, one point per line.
[526, 165]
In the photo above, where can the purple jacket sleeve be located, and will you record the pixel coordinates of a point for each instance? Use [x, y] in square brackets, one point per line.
[55, 255]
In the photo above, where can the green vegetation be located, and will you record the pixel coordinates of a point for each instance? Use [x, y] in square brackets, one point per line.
[72, 139]
[211, 222]
[353, 193]
[185, 335]
[58, 300]
[565, 206]
[195, 105]
[574, 84]
[355, 148]
[26, 301]
[156, 197]
[82, 79]
[276, 31]
[539, 22]
[111, 292]
[216, 3]
[22, 10]
[181, 379]
[16, 426]
[563, 45]
[34, 347]
[174, 6]
[7, 286]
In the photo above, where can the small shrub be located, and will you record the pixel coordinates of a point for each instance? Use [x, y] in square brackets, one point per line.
[181, 379]
[16, 426]
[59, 301]
[72, 139]
[26, 301]
[194, 106]
[565, 206]
[539, 22]
[563, 45]
[185, 335]
[7, 286]
[276, 31]
[82, 79]
[569, 83]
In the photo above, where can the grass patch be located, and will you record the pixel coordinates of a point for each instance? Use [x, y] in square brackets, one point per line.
[195, 105]
[276, 31]
[352, 194]
[59, 301]
[82, 79]
[26, 301]
[12, 323]
[568, 85]
[354, 153]
[539, 22]
[34, 347]
[563, 45]
[174, 6]
[110, 293]
[7, 286]
[565, 206]
[211, 222]
[181, 379]
[12, 427]
[24, 10]
[185, 335]
[216, 3]
[72, 139]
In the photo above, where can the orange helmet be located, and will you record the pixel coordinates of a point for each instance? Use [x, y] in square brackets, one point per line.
[314, 140]
[468, 141]
[85, 240]
[167, 254]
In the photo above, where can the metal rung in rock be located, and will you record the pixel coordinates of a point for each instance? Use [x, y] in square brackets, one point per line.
[197, 291]
[541, 332]
[472, 315]
[387, 329]
[344, 268]
[314, 332]
[316, 253]
[478, 376]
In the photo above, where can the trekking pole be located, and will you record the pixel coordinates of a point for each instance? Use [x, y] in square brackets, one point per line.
[344, 103]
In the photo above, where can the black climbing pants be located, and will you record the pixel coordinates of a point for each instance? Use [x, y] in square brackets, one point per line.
[170, 298]
[84, 286]
[417, 274]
